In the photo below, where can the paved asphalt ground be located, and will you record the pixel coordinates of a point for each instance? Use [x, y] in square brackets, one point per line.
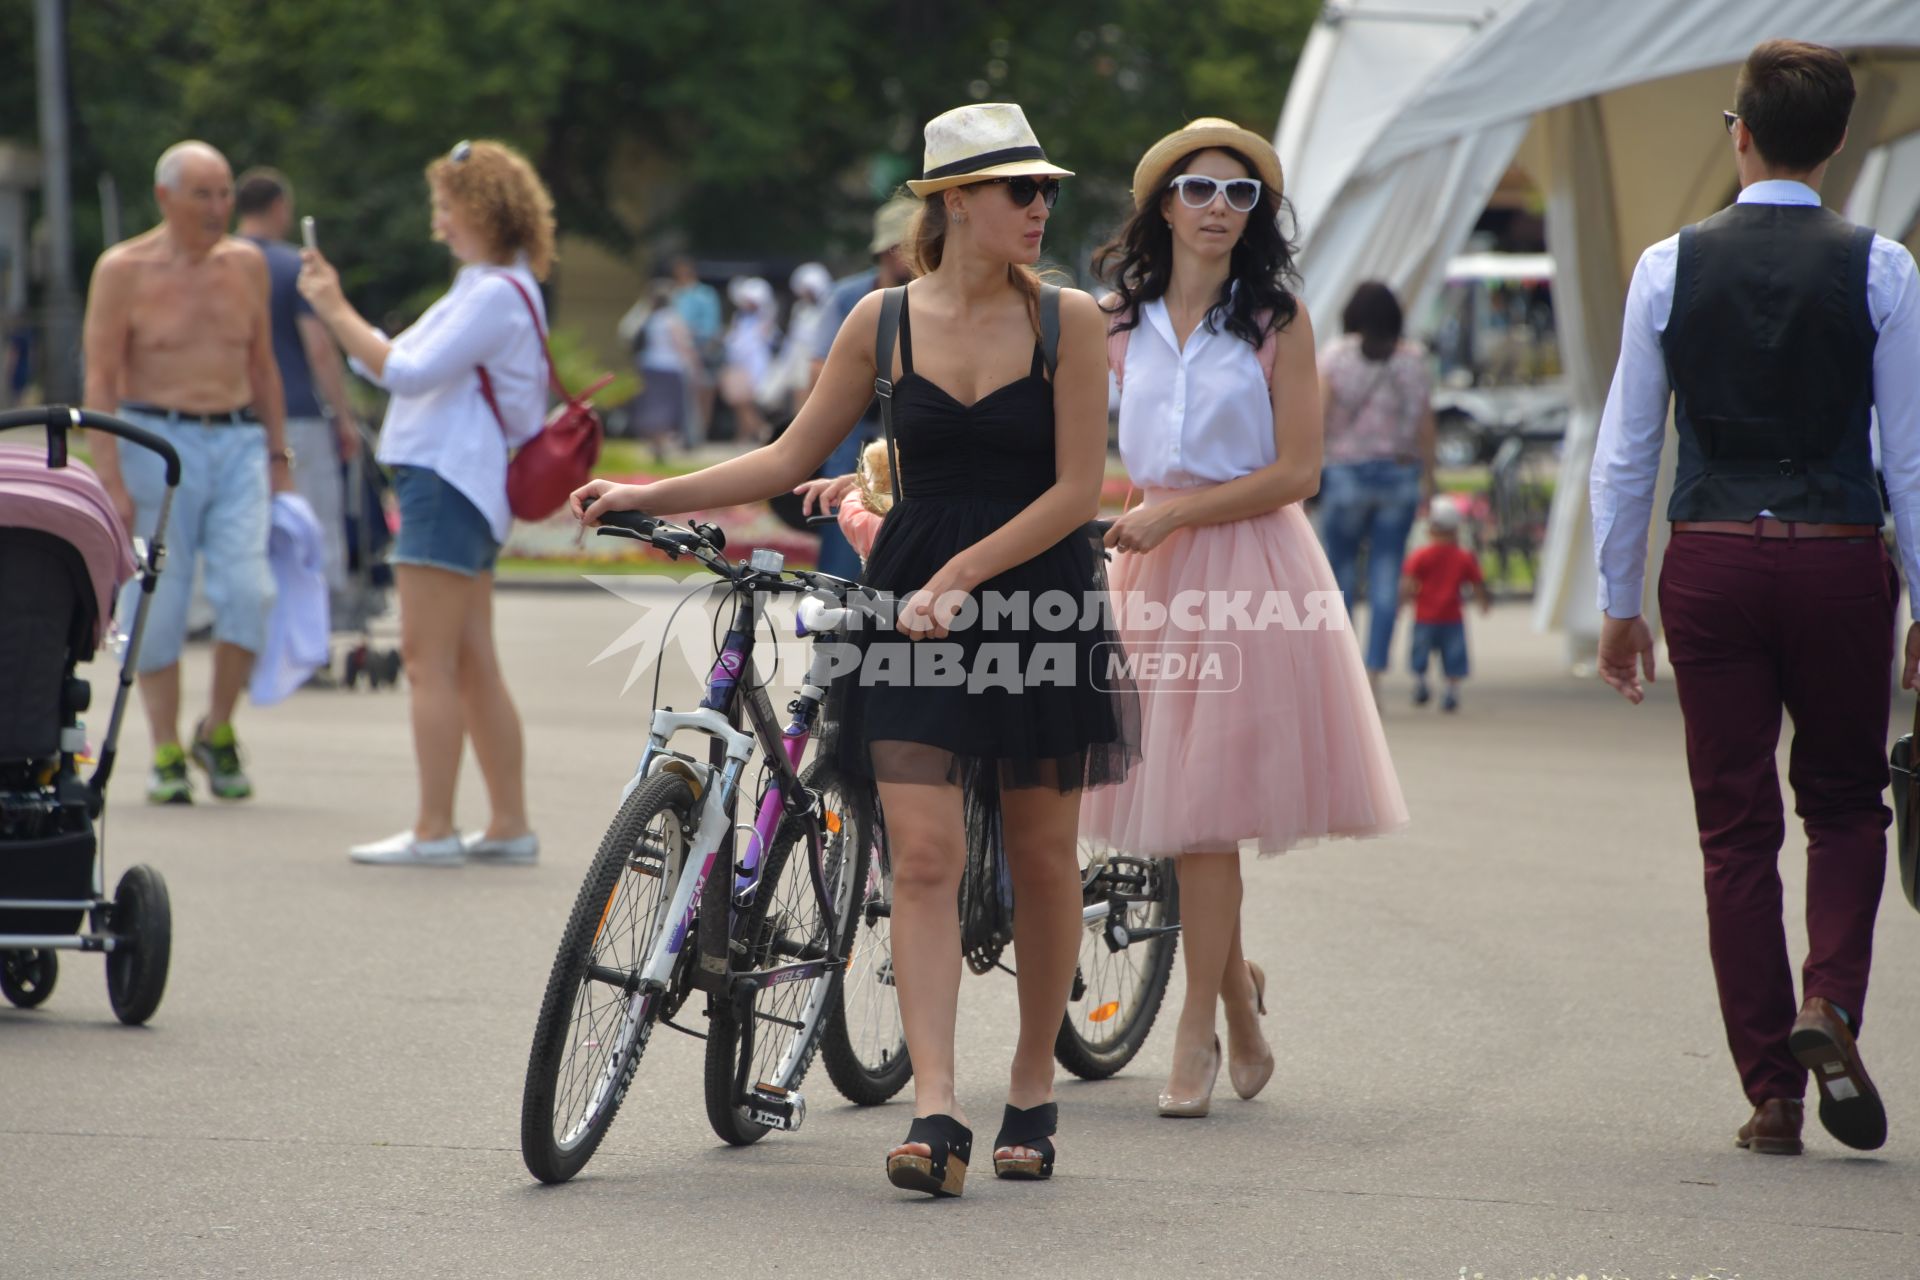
[1499, 1049]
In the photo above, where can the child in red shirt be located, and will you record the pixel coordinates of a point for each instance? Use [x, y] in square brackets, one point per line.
[1431, 581]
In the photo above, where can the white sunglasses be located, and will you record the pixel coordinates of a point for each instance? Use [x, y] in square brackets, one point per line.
[1197, 191]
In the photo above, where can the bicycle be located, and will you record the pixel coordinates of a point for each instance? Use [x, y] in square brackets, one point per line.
[1130, 917]
[1519, 496]
[648, 930]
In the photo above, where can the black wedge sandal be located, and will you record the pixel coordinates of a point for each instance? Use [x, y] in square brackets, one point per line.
[1033, 1129]
[944, 1173]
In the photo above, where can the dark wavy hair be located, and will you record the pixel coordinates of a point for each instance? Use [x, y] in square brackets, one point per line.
[1138, 263]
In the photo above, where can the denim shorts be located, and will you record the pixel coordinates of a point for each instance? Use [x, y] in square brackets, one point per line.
[439, 526]
[220, 519]
[1450, 638]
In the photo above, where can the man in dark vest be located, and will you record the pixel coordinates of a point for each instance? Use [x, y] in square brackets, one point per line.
[1777, 328]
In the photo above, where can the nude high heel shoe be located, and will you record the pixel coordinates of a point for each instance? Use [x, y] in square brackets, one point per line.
[1194, 1108]
[1249, 1078]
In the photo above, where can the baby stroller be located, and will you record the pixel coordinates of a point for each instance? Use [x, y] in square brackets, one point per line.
[63, 558]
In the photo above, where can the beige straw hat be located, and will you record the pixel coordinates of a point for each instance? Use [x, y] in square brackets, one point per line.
[1199, 135]
[892, 222]
[985, 140]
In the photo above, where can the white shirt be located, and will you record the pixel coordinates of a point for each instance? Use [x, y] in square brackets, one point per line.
[299, 630]
[1626, 460]
[437, 418]
[1193, 416]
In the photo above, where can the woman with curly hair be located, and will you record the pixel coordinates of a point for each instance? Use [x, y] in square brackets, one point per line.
[1220, 426]
[468, 382]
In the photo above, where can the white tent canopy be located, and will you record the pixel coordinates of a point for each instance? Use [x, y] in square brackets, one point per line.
[1612, 108]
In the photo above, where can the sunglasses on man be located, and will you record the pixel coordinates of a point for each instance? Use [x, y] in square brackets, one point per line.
[1198, 191]
[1023, 189]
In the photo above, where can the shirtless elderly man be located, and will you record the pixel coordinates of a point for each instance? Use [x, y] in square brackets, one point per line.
[179, 341]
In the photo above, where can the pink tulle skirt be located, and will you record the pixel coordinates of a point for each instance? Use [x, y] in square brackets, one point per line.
[1258, 729]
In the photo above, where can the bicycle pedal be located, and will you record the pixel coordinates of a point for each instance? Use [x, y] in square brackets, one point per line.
[775, 1108]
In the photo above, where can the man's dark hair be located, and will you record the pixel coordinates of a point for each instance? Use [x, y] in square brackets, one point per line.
[257, 190]
[1795, 99]
[1374, 313]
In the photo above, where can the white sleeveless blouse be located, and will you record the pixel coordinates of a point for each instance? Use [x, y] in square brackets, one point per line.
[1198, 416]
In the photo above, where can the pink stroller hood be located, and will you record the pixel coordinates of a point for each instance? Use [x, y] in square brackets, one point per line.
[71, 504]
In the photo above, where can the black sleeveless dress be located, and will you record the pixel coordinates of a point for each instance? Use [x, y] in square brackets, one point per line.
[1020, 694]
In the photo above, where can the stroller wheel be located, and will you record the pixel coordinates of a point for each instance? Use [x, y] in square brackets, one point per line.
[27, 977]
[137, 967]
[354, 665]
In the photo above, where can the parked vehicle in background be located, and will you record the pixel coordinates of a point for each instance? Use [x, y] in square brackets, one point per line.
[1497, 353]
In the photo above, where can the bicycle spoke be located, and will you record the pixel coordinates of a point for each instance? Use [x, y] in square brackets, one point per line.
[608, 1017]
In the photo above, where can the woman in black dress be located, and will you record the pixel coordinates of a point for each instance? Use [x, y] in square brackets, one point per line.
[999, 471]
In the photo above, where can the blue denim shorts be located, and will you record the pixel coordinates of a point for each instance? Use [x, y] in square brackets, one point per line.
[221, 516]
[1450, 639]
[439, 526]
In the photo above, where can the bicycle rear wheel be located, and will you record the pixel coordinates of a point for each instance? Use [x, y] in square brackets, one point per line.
[1122, 976]
[594, 1023]
[786, 925]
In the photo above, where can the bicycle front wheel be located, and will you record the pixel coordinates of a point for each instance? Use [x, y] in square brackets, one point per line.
[864, 1044]
[594, 1022]
[1125, 962]
[788, 924]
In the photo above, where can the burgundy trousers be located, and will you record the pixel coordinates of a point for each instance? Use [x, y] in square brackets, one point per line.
[1754, 626]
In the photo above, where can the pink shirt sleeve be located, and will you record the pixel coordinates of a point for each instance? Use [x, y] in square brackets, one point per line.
[860, 525]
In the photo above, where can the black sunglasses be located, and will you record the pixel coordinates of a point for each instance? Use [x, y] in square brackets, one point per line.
[1729, 117]
[1023, 189]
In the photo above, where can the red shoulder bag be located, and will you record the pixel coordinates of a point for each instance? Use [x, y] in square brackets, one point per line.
[560, 459]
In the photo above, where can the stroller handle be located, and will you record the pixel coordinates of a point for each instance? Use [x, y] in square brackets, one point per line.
[59, 418]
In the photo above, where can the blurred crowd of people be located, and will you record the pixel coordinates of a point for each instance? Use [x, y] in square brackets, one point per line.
[695, 354]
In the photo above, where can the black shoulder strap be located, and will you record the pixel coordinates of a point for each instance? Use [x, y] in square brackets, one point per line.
[1050, 326]
[885, 336]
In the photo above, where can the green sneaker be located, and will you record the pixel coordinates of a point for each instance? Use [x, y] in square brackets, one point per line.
[168, 783]
[218, 752]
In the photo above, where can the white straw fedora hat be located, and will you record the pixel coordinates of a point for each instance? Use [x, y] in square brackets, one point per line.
[1200, 135]
[892, 223]
[985, 140]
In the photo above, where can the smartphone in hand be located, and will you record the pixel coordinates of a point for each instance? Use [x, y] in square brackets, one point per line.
[306, 233]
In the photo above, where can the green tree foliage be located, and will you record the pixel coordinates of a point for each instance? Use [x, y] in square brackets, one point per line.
[766, 127]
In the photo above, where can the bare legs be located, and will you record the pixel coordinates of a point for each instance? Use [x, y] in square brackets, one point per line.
[1210, 896]
[492, 723]
[160, 693]
[752, 423]
[453, 674]
[927, 840]
[1041, 826]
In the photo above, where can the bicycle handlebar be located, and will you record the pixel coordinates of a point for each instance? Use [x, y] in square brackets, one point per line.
[705, 542]
[59, 419]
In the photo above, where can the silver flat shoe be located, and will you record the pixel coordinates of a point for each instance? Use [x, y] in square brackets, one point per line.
[521, 851]
[403, 850]
[1193, 1108]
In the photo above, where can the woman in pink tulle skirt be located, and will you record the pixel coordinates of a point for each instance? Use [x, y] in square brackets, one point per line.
[1259, 732]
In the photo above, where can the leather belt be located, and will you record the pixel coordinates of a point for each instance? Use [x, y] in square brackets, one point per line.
[241, 417]
[1768, 527]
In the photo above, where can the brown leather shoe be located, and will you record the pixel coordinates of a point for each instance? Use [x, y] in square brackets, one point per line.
[1774, 1129]
[1849, 1104]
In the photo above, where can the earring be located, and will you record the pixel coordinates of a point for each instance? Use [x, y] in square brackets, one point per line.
[959, 217]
